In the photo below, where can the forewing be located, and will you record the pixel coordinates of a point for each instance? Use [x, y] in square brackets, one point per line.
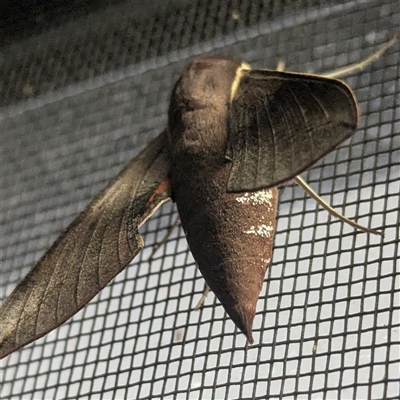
[97, 245]
[281, 123]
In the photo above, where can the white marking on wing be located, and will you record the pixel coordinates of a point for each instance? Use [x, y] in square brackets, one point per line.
[256, 198]
[261, 230]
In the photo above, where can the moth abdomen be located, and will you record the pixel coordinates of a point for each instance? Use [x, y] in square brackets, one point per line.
[230, 236]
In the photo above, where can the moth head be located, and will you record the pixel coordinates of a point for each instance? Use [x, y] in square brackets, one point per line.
[204, 90]
[207, 82]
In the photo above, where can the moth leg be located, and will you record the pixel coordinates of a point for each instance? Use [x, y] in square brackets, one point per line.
[362, 64]
[203, 297]
[332, 211]
[165, 239]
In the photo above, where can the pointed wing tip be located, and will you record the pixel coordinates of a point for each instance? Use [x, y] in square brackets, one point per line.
[11, 339]
[5, 353]
[6, 347]
[7, 344]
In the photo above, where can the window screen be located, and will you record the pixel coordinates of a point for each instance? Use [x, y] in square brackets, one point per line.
[82, 95]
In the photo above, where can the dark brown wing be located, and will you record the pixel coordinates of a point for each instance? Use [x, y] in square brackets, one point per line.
[97, 245]
[281, 123]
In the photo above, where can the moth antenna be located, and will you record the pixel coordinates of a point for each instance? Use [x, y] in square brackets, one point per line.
[203, 297]
[165, 239]
[332, 211]
[362, 64]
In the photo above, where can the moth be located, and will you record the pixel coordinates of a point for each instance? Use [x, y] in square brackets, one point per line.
[233, 135]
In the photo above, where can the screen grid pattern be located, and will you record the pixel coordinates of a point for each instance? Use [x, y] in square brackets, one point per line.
[327, 323]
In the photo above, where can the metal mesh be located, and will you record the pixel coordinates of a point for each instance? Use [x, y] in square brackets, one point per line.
[327, 323]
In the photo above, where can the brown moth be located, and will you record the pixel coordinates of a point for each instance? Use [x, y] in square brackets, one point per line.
[233, 135]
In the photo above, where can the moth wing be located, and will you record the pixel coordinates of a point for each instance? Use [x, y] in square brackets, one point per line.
[96, 246]
[282, 123]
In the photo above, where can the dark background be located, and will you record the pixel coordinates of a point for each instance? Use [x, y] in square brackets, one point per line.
[85, 86]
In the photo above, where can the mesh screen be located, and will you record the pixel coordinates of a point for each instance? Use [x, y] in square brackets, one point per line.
[327, 323]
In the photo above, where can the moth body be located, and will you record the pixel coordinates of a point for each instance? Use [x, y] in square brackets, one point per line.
[229, 234]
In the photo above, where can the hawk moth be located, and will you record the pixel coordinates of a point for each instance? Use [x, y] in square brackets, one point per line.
[233, 135]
